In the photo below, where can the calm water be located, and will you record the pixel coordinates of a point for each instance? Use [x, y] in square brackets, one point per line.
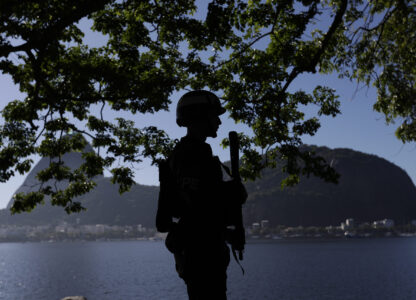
[350, 269]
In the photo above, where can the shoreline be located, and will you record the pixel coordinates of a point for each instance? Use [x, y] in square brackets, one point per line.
[248, 240]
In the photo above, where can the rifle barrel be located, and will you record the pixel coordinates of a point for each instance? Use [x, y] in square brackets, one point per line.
[234, 154]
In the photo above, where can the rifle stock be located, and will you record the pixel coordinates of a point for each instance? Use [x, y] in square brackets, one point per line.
[235, 165]
[235, 160]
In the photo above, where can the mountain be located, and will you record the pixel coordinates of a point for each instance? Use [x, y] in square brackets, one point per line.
[370, 188]
[72, 160]
[104, 204]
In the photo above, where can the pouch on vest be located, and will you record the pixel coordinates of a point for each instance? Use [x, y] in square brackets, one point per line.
[175, 240]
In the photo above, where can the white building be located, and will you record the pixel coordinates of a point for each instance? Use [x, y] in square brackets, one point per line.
[264, 223]
[255, 226]
[349, 224]
[386, 223]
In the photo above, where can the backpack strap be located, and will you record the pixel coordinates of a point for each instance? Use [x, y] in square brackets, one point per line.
[233, 250]
[236, 259]
[226, 168]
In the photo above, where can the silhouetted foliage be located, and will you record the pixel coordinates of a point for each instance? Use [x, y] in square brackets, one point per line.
[157, 47]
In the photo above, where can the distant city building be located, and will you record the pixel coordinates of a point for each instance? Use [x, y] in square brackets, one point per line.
[60, 228]
[348, 225]
[349, 234]
[386, 223]
[330, 229]
[264, 223]
[378, 224]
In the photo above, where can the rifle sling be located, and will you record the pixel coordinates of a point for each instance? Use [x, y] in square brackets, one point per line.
[228, 171]
[236, 259]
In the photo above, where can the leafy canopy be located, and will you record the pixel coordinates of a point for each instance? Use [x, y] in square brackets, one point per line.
[157, 47]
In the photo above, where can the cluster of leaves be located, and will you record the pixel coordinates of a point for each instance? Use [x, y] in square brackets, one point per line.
[157, 47]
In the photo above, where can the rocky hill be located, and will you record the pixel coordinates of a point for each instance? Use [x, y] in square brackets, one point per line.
[104, 204]
[370, 188]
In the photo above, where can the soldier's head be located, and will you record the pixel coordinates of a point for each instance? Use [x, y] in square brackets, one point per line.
[199, 111]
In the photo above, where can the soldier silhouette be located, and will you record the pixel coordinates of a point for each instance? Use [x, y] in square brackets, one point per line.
[195, 203]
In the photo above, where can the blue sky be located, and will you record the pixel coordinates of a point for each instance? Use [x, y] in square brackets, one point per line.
[359, 127]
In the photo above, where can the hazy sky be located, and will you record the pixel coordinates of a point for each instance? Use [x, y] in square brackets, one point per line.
[358, 127]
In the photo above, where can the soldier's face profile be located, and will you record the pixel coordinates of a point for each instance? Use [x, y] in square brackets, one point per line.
[214, 123]
[205, 126]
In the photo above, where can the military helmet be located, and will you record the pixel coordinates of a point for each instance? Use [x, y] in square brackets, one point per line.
[195, 105]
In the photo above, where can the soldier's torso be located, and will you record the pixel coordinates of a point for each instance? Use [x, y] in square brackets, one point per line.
[199, 177]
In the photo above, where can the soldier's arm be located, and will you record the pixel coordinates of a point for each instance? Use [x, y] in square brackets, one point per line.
[164, 211]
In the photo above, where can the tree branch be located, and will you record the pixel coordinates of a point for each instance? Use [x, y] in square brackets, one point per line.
[40, 39]
[245, 48]
[334, 26]
[6, 49]
[252, 42]
[314, 61]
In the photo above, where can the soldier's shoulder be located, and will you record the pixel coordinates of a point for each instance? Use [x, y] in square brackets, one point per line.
[192, 147]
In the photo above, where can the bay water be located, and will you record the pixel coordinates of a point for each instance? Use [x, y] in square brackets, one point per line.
[126, 270]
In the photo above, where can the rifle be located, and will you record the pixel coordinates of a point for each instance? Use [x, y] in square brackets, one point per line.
[240, 239]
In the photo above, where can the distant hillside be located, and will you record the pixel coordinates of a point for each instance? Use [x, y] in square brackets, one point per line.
[370, 188]
[72, 160]
[104, 204]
